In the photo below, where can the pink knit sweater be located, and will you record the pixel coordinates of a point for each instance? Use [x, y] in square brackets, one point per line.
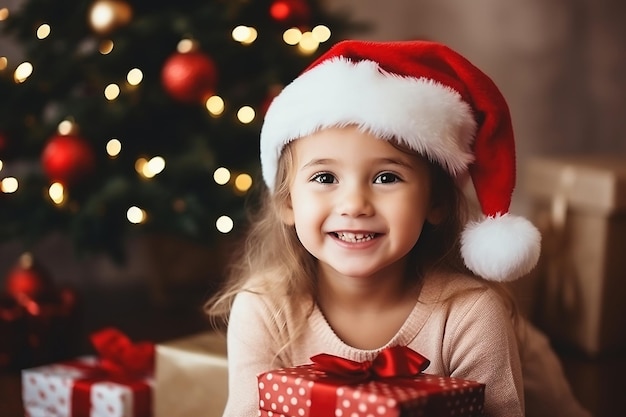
[458, 323]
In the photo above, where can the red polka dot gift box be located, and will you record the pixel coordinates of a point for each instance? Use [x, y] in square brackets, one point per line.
[118, 383]
[392, 385]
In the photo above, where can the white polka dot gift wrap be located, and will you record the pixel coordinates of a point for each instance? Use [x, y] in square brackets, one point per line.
[303, 391]
[47, 392]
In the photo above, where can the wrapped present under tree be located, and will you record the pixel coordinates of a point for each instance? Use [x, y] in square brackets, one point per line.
[116, 383]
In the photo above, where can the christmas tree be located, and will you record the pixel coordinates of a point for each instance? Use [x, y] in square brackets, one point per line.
[128, 117]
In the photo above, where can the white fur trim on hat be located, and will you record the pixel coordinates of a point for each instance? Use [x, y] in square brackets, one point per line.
[501, 248]
[427, 116]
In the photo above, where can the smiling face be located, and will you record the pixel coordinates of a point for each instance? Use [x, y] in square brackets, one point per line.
[358, 203]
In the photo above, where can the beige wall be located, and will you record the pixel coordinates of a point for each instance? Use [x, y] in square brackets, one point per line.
[560, 64]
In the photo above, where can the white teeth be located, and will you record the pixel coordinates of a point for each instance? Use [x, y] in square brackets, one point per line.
[355, 237]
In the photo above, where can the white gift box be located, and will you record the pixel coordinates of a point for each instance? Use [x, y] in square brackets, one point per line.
[80, 387]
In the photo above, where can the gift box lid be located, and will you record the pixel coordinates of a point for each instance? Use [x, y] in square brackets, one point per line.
[205, 346]
[587, 182]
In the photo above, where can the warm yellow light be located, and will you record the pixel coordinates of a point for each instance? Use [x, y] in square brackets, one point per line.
[240, 33]
[102, 15]
[145, 172]
[107, 15]
[114, 147]
[292, 36]
[215, 105]
[140, 163]
[105, 47]
[155, 166]
[66, 127]
[243, 182]
[1, 164]
[251, 36]
[134, 76]
[136, 215]
[148, 169]
[321, 33]
[185, 45]
[22, 72]
[244, 34]
[4, 14]
[9, 185]
[221, 175]
[4, 62]
[43, 31]
[246, 114]
[57, 193]
[308, 44]
[112, 91]
[224, 224]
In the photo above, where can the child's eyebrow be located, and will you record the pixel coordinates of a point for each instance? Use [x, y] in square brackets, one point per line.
[318, 161]
[383, 161]
[395, 161]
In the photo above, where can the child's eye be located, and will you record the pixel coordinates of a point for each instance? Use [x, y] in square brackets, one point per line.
[324, 178]
[386, 178]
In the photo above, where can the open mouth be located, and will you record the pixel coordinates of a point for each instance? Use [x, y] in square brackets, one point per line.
[354, 237]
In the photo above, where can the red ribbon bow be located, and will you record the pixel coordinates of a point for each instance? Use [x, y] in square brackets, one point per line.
[120, 356]
[395, 361]
[120, 361]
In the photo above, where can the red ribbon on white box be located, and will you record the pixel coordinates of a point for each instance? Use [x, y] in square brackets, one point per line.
[81, 397]
[122, 362]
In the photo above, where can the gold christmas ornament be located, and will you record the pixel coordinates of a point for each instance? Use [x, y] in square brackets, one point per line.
[108, 15]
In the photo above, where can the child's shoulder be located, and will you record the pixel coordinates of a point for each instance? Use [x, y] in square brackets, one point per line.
[460, 288]
[466, 298]
[450, 281]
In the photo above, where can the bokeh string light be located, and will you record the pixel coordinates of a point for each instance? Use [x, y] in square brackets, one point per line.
[9, 185]
[22, 72]
[106, 16]
[56, 192]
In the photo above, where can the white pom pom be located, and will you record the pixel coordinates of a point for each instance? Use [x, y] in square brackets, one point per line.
[501, 248]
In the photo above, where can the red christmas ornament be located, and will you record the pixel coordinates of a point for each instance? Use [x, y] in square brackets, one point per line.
[67, 159]
[27, 279]
[41, 319]
[290, 11]
[189, 77]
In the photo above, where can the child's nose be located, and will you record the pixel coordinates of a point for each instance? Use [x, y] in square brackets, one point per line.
[355, 201]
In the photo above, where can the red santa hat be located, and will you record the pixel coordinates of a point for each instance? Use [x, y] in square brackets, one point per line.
[433, 100]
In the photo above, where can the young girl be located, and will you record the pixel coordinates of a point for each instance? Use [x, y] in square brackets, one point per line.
[362, 240]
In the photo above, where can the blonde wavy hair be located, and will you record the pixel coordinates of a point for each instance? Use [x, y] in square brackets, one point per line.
[273, 262]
